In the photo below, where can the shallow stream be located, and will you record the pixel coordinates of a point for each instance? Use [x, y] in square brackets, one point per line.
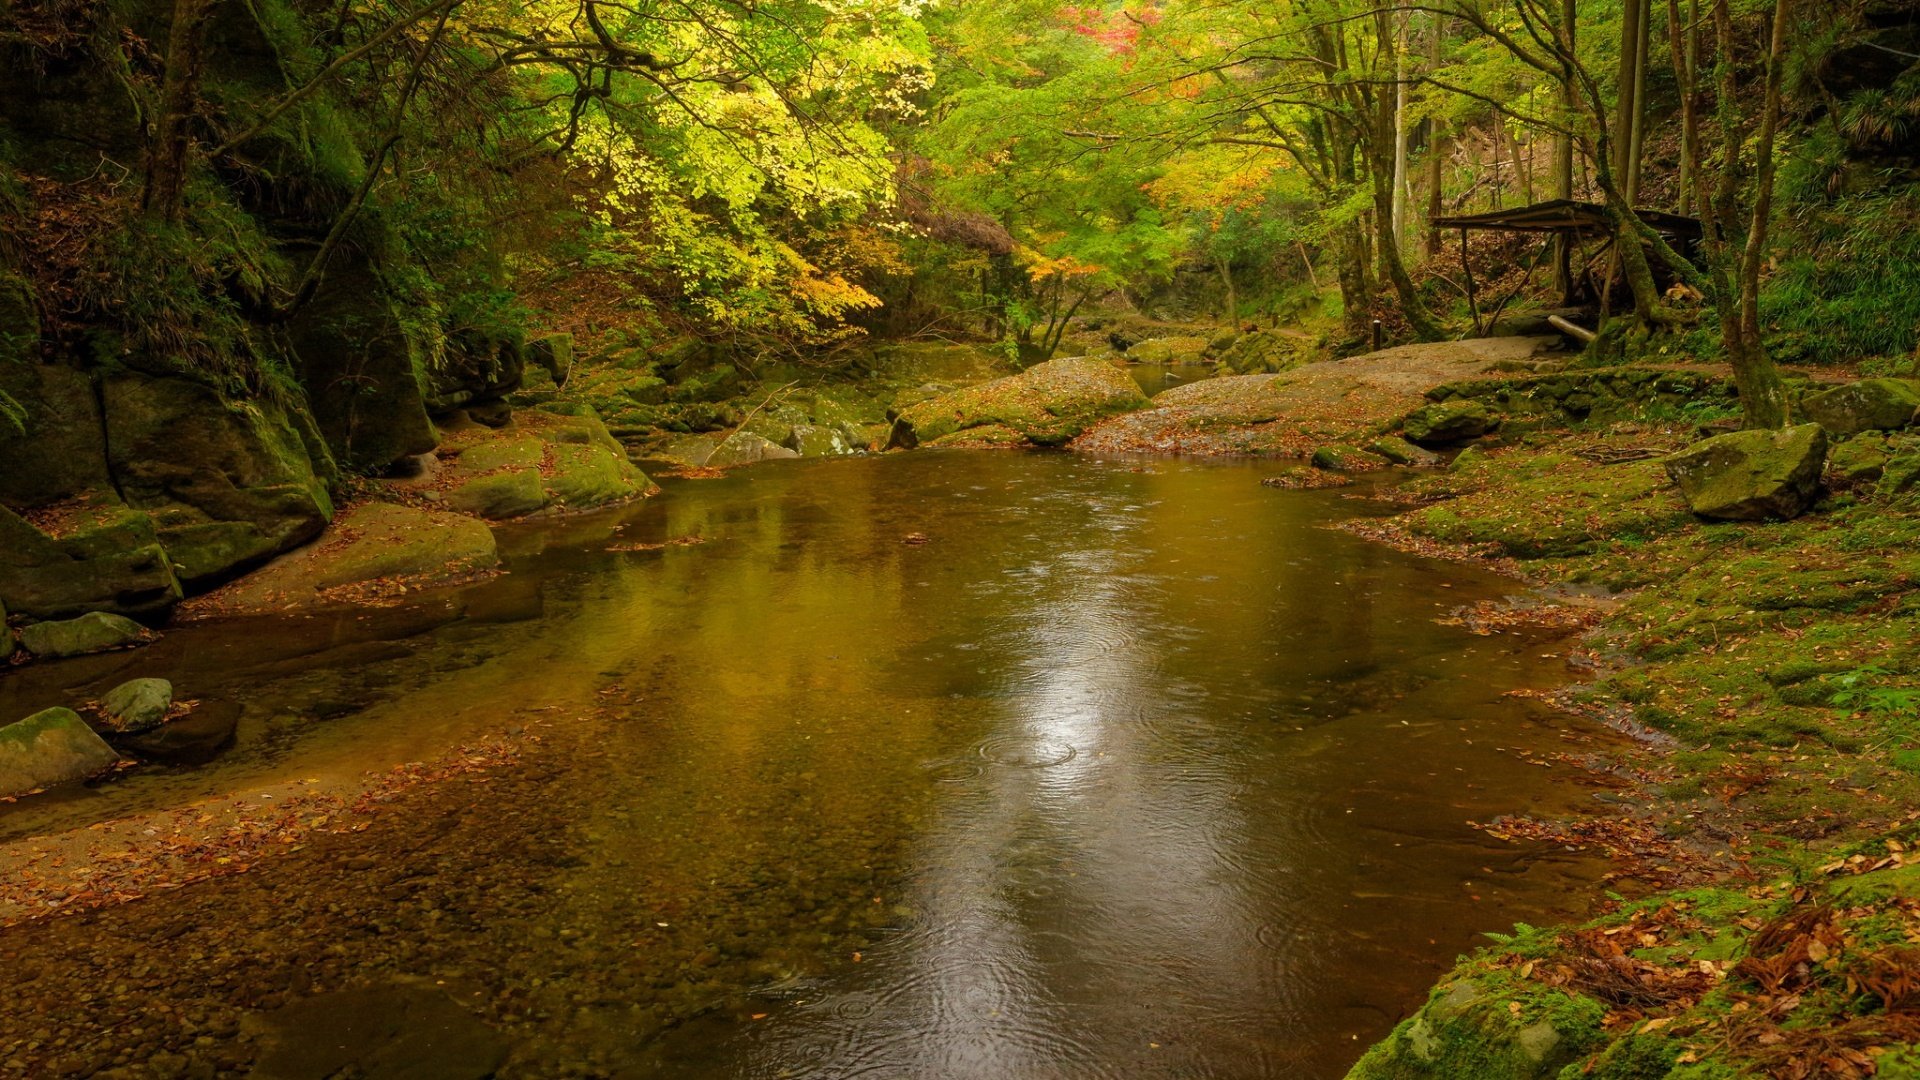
[967, 765]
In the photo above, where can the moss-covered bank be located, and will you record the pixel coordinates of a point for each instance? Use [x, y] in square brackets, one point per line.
[1774, 665]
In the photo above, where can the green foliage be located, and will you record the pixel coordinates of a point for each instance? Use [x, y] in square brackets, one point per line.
[1844, 291]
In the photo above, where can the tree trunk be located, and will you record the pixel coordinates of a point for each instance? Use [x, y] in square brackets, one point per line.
[172, 137]
[1436, 147]
[1627, 110]
[1761, 395]
[1233, 298]
[1399, 131]
[1637, 131]
[1684, 42]
[1563, 152]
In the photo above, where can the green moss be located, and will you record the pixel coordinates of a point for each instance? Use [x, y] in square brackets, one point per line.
[1558, 507]
[1047, 405]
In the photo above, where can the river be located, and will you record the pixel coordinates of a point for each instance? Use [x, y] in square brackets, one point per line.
[967, 765]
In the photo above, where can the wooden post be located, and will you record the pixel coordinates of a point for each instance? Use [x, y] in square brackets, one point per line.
[1466, 265]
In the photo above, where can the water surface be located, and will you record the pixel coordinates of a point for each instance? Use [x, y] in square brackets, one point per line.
[958, 765]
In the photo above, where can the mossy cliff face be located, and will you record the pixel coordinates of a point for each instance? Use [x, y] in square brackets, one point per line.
[171, 415]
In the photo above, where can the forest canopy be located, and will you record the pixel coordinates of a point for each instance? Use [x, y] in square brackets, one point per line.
[790, 176]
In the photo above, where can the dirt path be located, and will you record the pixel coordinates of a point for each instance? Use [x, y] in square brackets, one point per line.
[1297, 411]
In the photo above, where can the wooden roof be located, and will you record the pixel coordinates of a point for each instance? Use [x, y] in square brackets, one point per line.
[1566, 216]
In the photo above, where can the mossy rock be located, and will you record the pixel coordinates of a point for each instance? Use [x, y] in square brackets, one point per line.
[137, 705]
[1861, 459]
[362, 366]
[105, 558]
[373, 542]
[1468, 1029]
[1264, 352]
[721, 451]
[553, 354]
[1752, 475]
[1899, 475]
[94, 632]
[1572, 508]
[1342, 458]
[228, 483]
[517, 452]
[1401, 452]
[500, 496]
[1445, 423]
[812, 440]
[50, 747]
[1867, 405]
[1169, 350]
[58, 451]
[589, 475]
[1047, 405]
[473, 368]
[645, 390]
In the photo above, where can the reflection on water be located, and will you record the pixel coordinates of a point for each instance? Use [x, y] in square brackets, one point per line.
[1133, 770]
[1153, 378]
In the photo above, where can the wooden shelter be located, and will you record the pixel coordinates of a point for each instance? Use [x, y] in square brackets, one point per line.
[1582, 228]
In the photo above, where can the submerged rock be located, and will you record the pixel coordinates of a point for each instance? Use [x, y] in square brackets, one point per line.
[193, 739]
[50, 747]
[1750, 475]
[1447, 422]
[137, 705]
[1046, 405]
[1867, 405]
[402, 1032]
[96, 631]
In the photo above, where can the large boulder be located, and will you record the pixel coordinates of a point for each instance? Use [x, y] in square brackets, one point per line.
[1445, 423]
[96, 631]
[1867, 405]
[1750, 475]
[1046, 405]
[1401, 452]
[542, 460]
[553, 354]
[55, 449]
[50, 747]
[97, 557]
[361, 364]
[372, 549]
[137, 705]
[1265, 352]
[1168, 350]
[1341, 458]
[475, 368]
[725, 450]
[228, 484]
